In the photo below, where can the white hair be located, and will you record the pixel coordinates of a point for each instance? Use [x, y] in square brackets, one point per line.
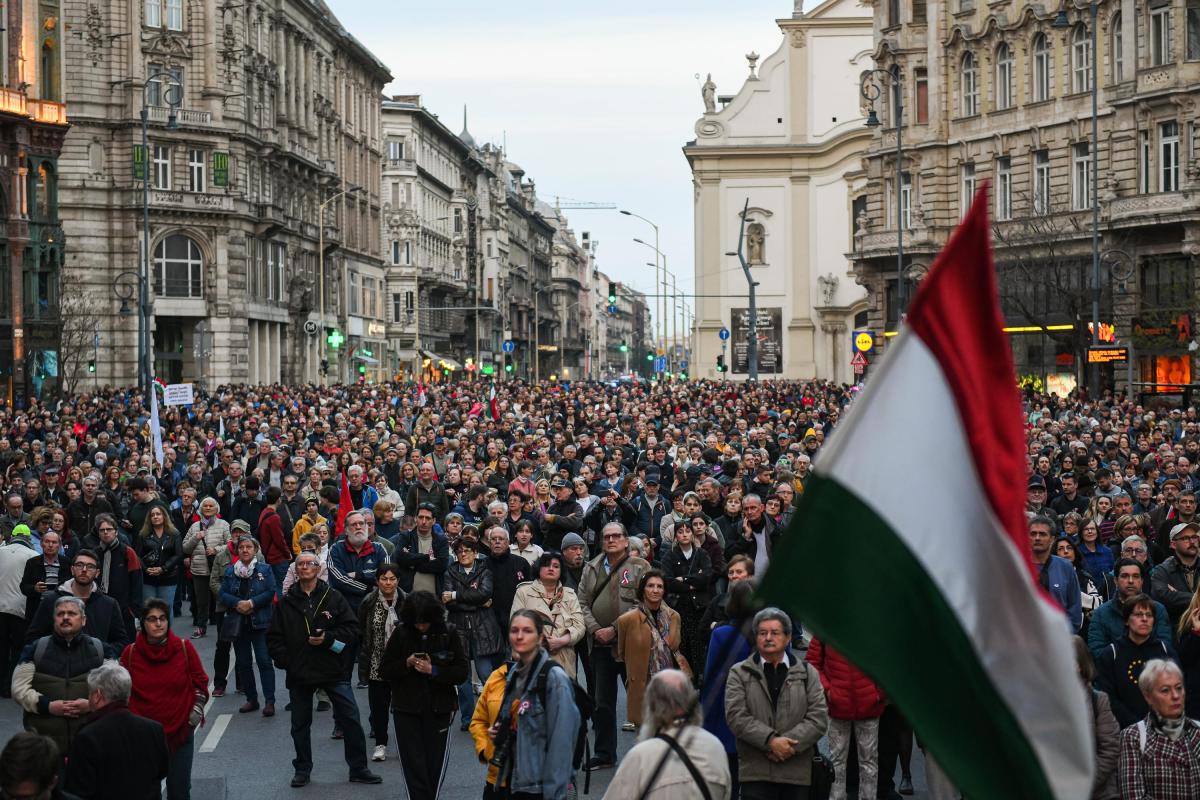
[1157, 668]
[669, 699]
[112, 681]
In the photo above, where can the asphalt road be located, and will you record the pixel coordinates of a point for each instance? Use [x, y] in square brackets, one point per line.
[248, 757]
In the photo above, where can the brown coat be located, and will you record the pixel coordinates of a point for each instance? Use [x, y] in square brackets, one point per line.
[633, 647]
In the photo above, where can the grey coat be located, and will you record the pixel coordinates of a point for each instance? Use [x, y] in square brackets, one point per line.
[799, 714]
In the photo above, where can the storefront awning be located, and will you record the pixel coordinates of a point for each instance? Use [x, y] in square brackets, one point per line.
[444, 361]
[363, 357]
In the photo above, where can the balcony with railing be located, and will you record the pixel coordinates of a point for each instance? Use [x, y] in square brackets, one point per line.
[13, 102]
[184, 116]
[48, 111]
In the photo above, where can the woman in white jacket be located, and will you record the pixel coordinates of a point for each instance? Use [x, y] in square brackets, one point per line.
[547, 595]
[203, 541]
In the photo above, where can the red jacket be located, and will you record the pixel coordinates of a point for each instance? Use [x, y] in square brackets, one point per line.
[275, 549]
[852, 695]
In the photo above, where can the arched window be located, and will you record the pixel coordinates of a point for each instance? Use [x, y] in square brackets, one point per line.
[1004, 77]
[1081, 59]
[1118, 47]
[1041, 68]
[178, 267]
[969, 85]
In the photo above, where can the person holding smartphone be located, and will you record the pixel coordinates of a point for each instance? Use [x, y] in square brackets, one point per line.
[425, 662]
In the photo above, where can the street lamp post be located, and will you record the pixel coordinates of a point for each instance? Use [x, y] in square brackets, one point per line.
[662, 303]
[321, 264]
[1061, 21]
[871, 92]
[173, 96]
[537, 336]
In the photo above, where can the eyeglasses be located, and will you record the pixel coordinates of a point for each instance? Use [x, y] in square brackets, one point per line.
[85, 567]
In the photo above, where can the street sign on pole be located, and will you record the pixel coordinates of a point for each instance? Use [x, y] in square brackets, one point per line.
[723, 334]
[859, 363]
[612, 309]
[508, 346]
[660, 364]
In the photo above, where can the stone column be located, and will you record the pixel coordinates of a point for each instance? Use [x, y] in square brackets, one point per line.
[280, 59]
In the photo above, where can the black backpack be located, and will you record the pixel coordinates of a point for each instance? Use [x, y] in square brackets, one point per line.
[582, 702]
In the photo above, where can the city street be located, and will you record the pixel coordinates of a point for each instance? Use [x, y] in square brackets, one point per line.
[247, 757]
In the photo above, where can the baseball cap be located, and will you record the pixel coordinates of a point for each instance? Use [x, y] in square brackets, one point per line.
[1036, 482]
[1175, 532]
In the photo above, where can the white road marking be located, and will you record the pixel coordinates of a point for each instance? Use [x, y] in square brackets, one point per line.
[214, 736]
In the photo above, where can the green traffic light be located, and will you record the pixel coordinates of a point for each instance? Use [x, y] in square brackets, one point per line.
[649, 356]
[508, 367]
[91, 366]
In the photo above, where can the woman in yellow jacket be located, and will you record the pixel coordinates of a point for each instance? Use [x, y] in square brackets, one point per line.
[487, 711]
[547, 595]
[308, 520]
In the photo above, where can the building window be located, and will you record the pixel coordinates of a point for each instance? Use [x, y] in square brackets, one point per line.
[408, 252]
[1041, 182]
[154, 13]
[969, 85]
[355, 292]
[178, 267]
[168, 13]
[1144, 162]
[1004, 77]
[395, 150]
[1081, 176]
[1168, 156]
[1081, 60]
[1004, 188]
[1118, 48]
[893, 12]
[1041, 68]
[458, 221]
[921, 80]
[197, 164]
[918, 12]
[395, 251]
[967, 187]
[162, 166]
[966, 5]
[1160, 36]
[906, 199]
[1166, 283]
[164, 86]
[408, 303]
[1193, 30]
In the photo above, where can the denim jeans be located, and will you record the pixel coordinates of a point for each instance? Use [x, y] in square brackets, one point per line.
[179, 769]
[345, 716]
[280, 572]
[466, 689]
[242, 646]
[164, 593]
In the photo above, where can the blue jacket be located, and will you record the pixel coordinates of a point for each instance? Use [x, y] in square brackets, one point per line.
[1064, 588]
[649, 514]
[353, 574]
[1099, 563]
[726, 647]
[546, 734]
[262, 592]
[1107, 626]
[411, 561]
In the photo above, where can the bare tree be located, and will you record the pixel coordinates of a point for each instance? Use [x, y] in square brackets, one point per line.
[1044, 265]
[79, 317]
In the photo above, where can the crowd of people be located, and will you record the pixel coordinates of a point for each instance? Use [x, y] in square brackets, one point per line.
[515, 566]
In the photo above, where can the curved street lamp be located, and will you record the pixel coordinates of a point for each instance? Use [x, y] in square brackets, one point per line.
[871, 91]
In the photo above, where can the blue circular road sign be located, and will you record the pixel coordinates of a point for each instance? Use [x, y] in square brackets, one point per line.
[508, 346]
[724, 334]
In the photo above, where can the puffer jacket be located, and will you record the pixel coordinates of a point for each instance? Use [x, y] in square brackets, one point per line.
[851, 694]
[487, 711]
[474, 621]
[200, 537]
[800, 714]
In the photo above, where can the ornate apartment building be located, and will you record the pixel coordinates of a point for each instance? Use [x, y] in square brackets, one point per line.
[33, 123]
[1002, 91]
[264, 163]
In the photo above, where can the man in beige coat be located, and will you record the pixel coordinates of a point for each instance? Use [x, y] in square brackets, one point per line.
[606, 591]
[775, 707]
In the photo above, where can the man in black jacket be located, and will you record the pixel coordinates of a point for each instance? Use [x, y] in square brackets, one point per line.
[310, 630]
[117, 755]
[104, 619]
[83, 512]
[562, 517]
[508, 570]
[44, 573]
[756, 528]
[611, 508]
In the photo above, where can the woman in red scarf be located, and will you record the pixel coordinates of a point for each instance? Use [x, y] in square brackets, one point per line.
[169, 687]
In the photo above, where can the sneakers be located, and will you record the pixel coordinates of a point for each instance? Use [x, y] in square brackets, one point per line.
[300, 779]
[629, 727]
[365, 777]
[906, 786]
[218, 691]
[599, 763]
[323, 705]
[248, 706]
[380, 753]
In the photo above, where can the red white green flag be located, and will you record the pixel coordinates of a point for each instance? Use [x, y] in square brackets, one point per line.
[910, 554]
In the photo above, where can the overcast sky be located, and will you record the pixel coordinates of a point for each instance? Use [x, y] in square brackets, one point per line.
[594, 99]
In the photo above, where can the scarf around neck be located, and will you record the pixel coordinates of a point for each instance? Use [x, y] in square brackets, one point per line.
[243, 570]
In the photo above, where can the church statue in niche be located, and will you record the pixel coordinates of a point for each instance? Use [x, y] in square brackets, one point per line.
[756, 243]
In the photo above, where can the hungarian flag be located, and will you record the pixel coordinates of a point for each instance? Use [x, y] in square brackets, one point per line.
[927, 583]
[345, 506]
[421, 398]
[492, 404]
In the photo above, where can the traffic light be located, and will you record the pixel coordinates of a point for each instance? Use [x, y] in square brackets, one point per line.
[612, 293]
[92, 365]
[721, 363]
[508, 365]
[649, 355]
[683, 375]
[624, 347]
[362, 369]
